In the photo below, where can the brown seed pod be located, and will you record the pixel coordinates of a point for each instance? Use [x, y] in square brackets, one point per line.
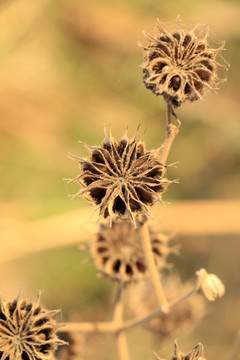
[183, 316]
[180, 65]
[27, 331]
[197, 353]
[121, 179]
[117, 251]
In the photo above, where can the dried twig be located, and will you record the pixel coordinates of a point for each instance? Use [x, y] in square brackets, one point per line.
[113, 326]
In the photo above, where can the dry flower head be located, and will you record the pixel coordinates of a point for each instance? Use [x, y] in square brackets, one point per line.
[181, 65]
[197, 353]
[210, 284]
[121, 178]
[27, 331]
[183, 316]
[118, 253]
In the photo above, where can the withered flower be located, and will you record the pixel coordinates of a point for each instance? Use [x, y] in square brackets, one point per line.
[27, 331]
[180, 65]
[118, 253]
[121, 178]
[184, 316]
[197, 353]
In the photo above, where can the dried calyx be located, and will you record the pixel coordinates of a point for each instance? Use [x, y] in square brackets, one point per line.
[118, 253]
[27, 331]
[121, 178]
[180, 65]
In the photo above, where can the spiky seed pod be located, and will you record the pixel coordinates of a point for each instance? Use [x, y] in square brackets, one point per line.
[180, 65]
[117, 251]
[183, 316]
[27, 331]
[121, 178]
[197, 353]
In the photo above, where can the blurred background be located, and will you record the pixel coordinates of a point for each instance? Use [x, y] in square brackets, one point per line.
[67, 68]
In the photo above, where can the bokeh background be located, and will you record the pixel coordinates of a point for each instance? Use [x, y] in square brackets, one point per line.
[67, 68]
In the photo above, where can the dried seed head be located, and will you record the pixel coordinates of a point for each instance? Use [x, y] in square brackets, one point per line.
[118, 253]
[183, 316]
[27, 331]
[121, 178]
[197, 353]
[210, 285]
[180, 65]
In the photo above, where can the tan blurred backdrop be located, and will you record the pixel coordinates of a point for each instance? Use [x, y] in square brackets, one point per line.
[67, 68]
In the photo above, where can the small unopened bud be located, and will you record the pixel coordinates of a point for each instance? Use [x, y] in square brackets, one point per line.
[210, 284]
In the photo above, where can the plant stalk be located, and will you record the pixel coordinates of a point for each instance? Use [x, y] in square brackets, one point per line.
[113, 326]
[120, 335]
[171, 131]
[144, 234]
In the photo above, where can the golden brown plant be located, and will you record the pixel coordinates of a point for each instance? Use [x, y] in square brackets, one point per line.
[121, 179]
[184, 316]
[118, 253]
[27, 331]
[181, 65]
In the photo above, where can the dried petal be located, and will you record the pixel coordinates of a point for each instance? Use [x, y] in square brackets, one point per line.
[210, 284]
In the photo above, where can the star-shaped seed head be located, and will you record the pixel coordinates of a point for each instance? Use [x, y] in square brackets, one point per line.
[27, 331]
[181, 65]
[197, 353]
[121, 178]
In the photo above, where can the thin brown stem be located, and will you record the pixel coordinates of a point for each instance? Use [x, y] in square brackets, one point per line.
[159, 311]
[171, 131]
[144, 234]
[113, 326]
[121, 338]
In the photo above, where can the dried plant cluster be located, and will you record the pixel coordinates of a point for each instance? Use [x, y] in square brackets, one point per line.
[121, 178]
[27, 331]
[181, 65]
